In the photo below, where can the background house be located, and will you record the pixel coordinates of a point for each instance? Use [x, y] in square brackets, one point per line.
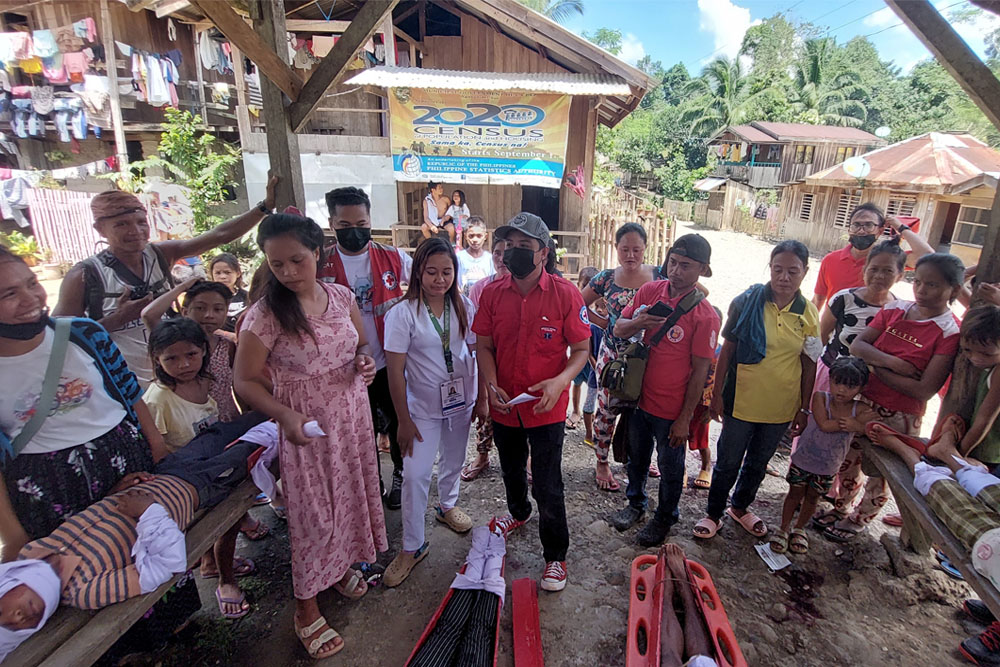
[948, 180]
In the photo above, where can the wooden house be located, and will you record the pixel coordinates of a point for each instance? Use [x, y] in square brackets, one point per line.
[768, 155]
[947, 180]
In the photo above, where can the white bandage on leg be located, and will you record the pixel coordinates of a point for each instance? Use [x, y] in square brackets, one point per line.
[159, 549]
[924, 476]
[974, 478]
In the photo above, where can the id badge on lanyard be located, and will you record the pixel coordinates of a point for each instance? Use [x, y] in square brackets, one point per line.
[453, 398]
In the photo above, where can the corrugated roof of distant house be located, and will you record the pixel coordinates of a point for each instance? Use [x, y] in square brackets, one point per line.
[793, 131]
[942, 162]
[566, 83]
[750, 133]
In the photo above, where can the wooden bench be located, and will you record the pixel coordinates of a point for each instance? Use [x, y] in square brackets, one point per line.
[80, 637]
[921, 527]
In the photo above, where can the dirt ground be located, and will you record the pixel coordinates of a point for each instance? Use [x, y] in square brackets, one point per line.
[838, 605]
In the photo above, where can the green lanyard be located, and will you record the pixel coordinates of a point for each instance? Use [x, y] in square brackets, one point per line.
[445, 334]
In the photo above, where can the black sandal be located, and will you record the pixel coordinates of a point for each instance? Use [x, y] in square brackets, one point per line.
[825, 520]
[840, 535]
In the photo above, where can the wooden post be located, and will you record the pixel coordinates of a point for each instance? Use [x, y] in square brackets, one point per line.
[282, 142]
[121, 148]
[199, 76]
[389, 40]
[242, 113]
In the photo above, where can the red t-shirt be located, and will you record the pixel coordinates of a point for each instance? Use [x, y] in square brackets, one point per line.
[915, 341]
[669, 367]
[839, 270]
[531, 335]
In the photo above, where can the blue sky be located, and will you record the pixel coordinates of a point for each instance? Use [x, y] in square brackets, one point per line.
[696, 31]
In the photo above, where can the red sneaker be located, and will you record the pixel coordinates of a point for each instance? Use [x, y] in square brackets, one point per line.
[504, 525]
[554, 576]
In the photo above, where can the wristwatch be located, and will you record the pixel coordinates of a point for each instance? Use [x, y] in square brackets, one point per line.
[262, 208]
[904, 228]
[808, 413]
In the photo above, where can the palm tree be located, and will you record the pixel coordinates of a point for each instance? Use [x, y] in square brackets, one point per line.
[822, 97]
[721, 97]
[557, 10]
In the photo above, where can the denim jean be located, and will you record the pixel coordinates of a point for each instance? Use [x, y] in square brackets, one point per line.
[547, 483]
[645, 432]
[744, 450]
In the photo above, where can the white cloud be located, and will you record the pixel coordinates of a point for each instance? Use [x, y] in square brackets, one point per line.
[632, 49]
[883, 18]
[727, 23]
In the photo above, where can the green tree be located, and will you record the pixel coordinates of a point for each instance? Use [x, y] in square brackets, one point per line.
[721, 97]
[557, 10]
[654, 68]
[607, 38]
[822, 96]
[674, 83]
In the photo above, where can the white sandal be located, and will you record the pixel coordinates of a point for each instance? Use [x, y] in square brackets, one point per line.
[315, 645]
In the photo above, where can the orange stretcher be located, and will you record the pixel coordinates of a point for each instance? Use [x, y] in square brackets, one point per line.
[440, 610]
[646, 606]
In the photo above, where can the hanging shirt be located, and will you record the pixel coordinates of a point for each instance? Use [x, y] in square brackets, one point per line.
[409, 331]
[158, 93]
[45, 43]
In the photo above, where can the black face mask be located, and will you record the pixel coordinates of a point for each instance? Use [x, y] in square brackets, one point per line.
[353, 239]
[520, 261]
[862, 241]
[25, 331]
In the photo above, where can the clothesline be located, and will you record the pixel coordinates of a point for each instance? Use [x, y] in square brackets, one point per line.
[34, 176]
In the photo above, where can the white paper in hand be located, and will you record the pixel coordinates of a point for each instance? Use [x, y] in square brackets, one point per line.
[522, 398]
[312, 430]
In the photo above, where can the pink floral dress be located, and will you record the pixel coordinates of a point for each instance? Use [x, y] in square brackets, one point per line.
[331, 485]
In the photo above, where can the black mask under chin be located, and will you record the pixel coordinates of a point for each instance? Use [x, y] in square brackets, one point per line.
[25, 331]
[862, 241]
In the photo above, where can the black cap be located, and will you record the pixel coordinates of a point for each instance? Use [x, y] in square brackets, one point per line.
[694, 246]
[528, 224]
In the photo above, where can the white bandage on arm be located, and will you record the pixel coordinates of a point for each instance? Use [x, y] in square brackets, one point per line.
[925, 475]
[159, 550]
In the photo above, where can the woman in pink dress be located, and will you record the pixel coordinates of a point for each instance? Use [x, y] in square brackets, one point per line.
[309, 336]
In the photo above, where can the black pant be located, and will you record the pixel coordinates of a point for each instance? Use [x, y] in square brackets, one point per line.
[379, 397]
[547, 483]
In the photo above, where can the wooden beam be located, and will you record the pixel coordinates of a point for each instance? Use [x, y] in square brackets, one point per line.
[239, 33]
[406, 14]
[282, 142]
[389, 41]
[200, 77]
[334, 64]
[167, 8]
[139, 5]
[953, 53]
[311, 25]
[107, 31]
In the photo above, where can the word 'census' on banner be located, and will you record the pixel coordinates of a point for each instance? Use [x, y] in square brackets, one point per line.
[478, 136]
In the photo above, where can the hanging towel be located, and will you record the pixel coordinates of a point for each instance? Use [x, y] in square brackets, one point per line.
[125, 49]
[171, 30]
[21, 45]
[749, 327]
[322, 44]
[86, 29]
[45, 43]
[159, 93]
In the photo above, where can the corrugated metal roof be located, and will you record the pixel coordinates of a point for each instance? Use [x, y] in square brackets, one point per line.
[804, 131]
[706, 184]
[939, 161]
[566, 83]
[751, 134]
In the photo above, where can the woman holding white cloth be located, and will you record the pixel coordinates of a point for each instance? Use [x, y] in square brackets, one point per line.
[429, 349]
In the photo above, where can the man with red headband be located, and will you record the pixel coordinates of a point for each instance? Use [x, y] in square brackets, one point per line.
[114, 285]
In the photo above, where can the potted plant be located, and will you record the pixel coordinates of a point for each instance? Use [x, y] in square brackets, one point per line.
[25, 247]
[50, 268]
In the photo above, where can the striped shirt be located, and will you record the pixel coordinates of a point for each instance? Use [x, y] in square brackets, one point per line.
[100, 539]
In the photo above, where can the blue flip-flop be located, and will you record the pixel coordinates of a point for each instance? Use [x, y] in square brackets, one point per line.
[947, 567]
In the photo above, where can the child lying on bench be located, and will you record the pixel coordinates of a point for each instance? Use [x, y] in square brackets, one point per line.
[125, 545]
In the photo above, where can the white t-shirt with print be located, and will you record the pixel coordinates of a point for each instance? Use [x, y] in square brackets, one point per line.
[473, 269]
[82, 409]
[409, 330]
[358, 271]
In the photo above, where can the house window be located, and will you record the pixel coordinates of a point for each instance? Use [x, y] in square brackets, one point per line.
[804, 154]
[806, 206]
[845, 207]
[845, 152]
[901, 203]
[971, 226]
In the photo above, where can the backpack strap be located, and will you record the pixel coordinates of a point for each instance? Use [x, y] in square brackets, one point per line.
[93, 289]
[690, 300]
[49, 385]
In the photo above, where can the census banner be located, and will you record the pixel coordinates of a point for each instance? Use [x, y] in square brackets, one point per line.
[477, 136]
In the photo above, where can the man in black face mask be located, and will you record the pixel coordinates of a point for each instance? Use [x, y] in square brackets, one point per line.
[375, 273]
[525, 323]
[844, 268]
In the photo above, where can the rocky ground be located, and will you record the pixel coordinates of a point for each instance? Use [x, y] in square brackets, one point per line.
[838, 605]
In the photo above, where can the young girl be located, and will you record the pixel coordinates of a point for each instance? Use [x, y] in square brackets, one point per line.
[911, 348]
[836, 416]
[310, 336]
[178, 398]
[458, 213]
[207, 304]
[225, 268]
[433, 386]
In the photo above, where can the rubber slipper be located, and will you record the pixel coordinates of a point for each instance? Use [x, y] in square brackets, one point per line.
[950, 569]
[261, 499]
[241, 600]
[748, 521]
[612, 484]
[654, 470]
[258, 532]
[709, 526]
[704, 480]
[472, 471]
[824, 520]
[778, 541]
[953, 418]
[242, 567]
[355, 583]
[313, 647]
[833, 534]
[908, 440]
[280, 511]
[893, 520]
[798, 542]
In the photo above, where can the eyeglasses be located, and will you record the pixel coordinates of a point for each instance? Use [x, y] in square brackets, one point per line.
[862, 227]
